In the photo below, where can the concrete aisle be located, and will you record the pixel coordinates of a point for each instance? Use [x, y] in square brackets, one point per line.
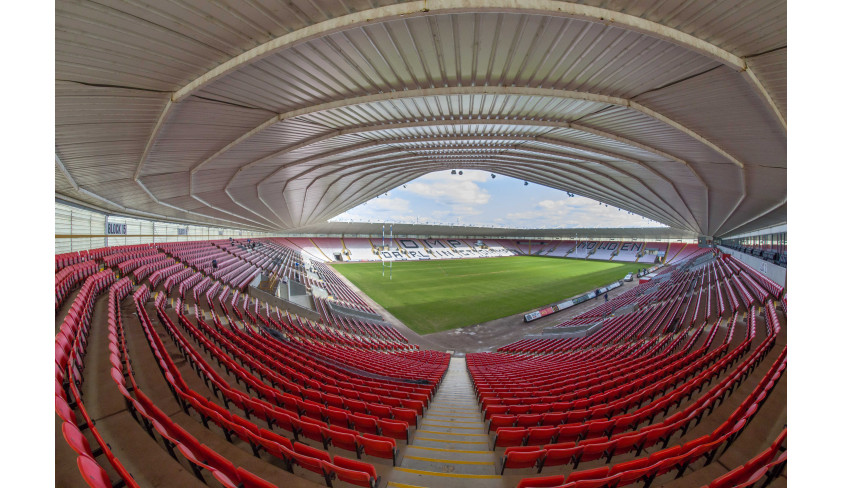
[450, 447]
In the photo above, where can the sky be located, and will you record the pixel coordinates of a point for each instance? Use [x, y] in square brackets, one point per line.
[475, 198]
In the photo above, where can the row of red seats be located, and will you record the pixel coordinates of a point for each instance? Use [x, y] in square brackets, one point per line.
[141, 272]
[371, 411]
[596, 427]
[767, 465]
[270, 408]
[660, 462]
[126, 253]
[354, 326]
[298, 364]
[130, 264]
[161, 274]
[619, 376]
[71, 345]
[68, 277]
[291, 453]
[75, 257]
[571, 378]
[669, 368]
[172, 436]
[176, 277]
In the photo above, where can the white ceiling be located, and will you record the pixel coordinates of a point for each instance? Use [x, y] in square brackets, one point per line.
[278, 115]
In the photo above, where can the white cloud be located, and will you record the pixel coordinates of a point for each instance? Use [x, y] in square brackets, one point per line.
[443, 198]
[392, 204]
[576, 212]
[448, 189]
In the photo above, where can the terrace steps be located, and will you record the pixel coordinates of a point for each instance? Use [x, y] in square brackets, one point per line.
[450, 446]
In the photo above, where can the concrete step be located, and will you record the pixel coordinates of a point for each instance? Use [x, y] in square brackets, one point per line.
[451, 444]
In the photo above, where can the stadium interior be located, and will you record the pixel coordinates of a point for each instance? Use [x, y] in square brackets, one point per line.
[215, 325]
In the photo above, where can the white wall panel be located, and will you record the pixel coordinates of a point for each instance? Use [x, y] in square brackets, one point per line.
[78, 229]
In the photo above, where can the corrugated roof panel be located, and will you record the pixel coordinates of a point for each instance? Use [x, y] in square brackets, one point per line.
[742, 27]
[771, 70]
[720, 106]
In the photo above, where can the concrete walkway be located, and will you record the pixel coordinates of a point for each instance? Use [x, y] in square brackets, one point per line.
[450, 446]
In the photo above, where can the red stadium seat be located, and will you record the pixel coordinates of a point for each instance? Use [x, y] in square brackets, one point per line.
[509, 436]
[382, 448]
[94, 475]
[522, 459]
[542, 482]
[351, 471]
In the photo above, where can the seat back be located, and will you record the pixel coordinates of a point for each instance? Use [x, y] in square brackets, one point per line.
[94, 475]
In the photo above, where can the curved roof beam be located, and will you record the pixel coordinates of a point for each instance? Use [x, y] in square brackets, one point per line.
[435, 7]
[231, 197]
[519, 148]
[456, 90]
[403, 159]
[513, 173]
[362, 197]
[218, 209]
[636, 178]
[151, 195]
[197, 198]
[121, 207]
[649, 169]
[552, 165]
[765, 212]
[480, 121]
[735, 207]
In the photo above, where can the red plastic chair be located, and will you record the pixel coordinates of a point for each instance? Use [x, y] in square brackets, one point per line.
[92, 473]
[381, 411]
[341, 438]
[594, 450]
[509, 436]
[312, 429]
[382, 448]
[561, 456]
[528, 420]
[495, 410]
[308, 462]
[64, 411]
[251, 480]
[589, 474]
[498, 421]
[395, 429]
[522, 459]
[336, 416]
[543, 482]
[570, 433]
[352, 471]
[406, 415]
[537, 436]
[364, 423]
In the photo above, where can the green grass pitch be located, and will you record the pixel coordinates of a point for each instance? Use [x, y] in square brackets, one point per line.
[432, 296]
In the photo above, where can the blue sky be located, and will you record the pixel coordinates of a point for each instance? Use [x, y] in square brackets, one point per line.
[475, 198]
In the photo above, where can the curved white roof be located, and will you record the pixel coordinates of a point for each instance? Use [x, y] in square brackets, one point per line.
[278, 115]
